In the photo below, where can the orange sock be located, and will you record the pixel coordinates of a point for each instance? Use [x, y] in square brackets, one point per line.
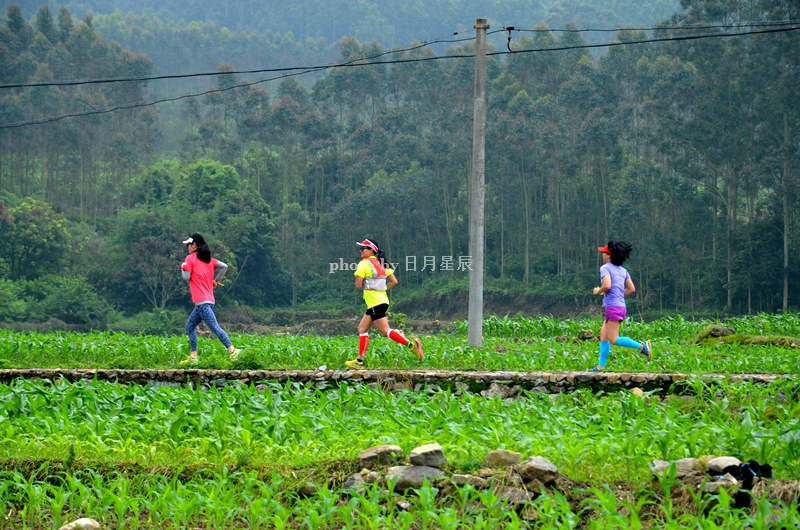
[363, 344]
[397, 336]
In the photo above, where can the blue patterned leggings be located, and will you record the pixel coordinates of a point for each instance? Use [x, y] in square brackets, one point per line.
[205, 313]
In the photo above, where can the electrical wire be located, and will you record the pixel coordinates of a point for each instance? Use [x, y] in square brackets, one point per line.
[657, 28]
[441, 40]
[354, 63]
[648, 41]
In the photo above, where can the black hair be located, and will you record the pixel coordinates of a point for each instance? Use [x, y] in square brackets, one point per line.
[620, 251]
[203, 250]
[381, 255]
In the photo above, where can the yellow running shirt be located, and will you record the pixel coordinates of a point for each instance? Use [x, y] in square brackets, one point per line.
[371, 296]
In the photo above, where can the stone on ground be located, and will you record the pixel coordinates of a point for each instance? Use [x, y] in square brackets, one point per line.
[683, 467]
[84, 523]
[727, 481]
[411, 477]
[502, 458]
[720, 463]
[501, 391]
[354, 482]
[379, 455]
[539, 468]
[514, 495]
[476, 482]
[428, 455]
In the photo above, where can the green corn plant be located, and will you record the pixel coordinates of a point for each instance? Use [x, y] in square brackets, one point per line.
[555, 511]
[607, 510]
[58, 498]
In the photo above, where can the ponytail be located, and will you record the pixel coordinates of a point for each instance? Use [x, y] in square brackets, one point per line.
[203, 250]
[381, 255]
[204, 253]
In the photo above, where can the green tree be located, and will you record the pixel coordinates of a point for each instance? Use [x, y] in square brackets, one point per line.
[46, 25]
[35, 239]
[65, 23]
[155, 263]
[72, 300]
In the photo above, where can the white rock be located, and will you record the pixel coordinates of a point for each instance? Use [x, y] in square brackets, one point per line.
[718, 464]
[476, 482]
[428, 455]
[659, 466]
[84, 523]
[685, 466]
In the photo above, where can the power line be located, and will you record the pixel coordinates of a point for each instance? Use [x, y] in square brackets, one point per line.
[648, 41]
[355, 63]
[658, 28]
[441, 40]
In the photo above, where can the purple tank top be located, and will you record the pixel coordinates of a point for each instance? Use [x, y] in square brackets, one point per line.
[614, 297]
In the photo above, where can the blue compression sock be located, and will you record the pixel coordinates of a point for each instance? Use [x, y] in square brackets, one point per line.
[625, 342]
[605, 349]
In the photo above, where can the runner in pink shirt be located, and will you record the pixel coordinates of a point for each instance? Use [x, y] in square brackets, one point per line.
[204, 274]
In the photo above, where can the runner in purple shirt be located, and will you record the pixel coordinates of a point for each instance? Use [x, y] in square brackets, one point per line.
[616, 284]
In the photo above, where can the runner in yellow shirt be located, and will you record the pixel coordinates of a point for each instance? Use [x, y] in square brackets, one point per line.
[375, 279]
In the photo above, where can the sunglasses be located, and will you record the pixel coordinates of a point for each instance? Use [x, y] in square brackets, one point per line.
[364, 248]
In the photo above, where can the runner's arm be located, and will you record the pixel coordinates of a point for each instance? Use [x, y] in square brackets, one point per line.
[221, 269]
[629, 287]
[603, 288]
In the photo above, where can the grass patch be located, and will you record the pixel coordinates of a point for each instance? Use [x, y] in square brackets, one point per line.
[520, 344]
[714, 335]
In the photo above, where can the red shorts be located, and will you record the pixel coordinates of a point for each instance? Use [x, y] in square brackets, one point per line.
[615, 314]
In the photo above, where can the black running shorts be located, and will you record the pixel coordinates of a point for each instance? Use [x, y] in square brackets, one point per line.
[378, 312]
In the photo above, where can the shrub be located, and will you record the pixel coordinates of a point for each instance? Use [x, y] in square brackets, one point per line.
[12, 307]
[71, 300]
[250, 359]
[159, 322]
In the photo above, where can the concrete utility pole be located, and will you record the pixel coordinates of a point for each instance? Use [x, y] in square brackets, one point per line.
[475, 317]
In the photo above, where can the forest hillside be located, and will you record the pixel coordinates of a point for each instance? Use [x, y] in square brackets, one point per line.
[686, 148]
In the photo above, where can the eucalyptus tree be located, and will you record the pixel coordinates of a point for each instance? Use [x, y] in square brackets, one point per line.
[776, 60]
